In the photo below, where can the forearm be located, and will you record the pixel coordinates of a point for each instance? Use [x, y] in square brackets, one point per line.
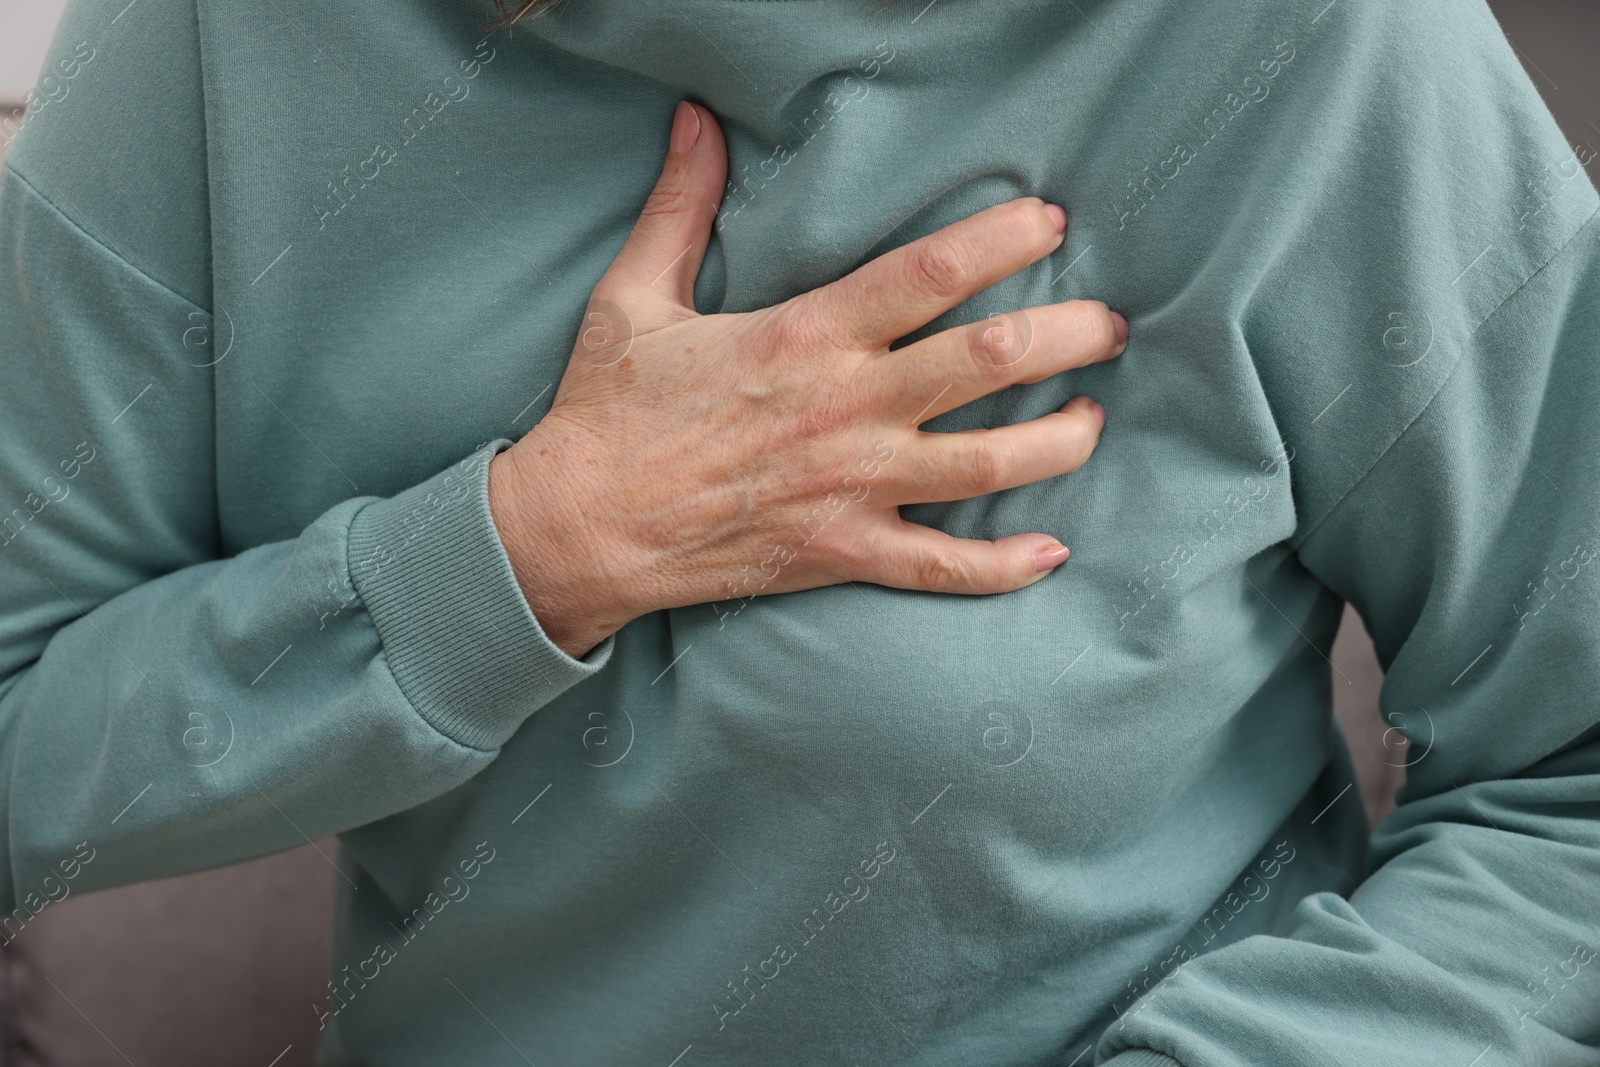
[236, 707]
[178, 710]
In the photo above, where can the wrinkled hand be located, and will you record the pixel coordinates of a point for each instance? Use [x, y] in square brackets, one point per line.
[693, 459]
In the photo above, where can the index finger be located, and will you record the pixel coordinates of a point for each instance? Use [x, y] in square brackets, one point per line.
[909, 287]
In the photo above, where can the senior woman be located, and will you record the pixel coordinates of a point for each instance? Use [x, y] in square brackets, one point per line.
[664, 735]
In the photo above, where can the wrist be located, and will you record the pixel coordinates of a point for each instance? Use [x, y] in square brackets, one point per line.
[556, 549]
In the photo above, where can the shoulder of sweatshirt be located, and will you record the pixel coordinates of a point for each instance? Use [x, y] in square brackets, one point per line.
[1402, 179]
[1388, 174]
[136, 118]
[115, 136]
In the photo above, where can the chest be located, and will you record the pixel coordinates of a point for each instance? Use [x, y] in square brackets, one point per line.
[418, 263]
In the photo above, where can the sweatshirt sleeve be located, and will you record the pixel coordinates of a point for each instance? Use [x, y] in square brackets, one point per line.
[1471, 550]
[165, 709]
[1429, 346]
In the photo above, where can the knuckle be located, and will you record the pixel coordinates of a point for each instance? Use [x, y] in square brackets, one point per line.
[1027, 217]
[941, 571]
[1095, 326]
[666, 202]
[800, 326]
[823, 414]
[993, 344]
[941, 266]
[1081, 439]
[830, 419]
[1023, 226]
[999, 343]
[984, 467]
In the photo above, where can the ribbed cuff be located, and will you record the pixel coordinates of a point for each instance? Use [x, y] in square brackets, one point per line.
[1140, 1057]
[457, 632]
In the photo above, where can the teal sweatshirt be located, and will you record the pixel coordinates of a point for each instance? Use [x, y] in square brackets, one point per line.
[277, 280]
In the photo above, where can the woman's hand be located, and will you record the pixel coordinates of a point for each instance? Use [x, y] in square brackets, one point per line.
[693, 459]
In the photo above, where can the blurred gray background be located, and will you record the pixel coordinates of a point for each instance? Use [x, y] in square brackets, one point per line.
[222, 968]
[25, 28]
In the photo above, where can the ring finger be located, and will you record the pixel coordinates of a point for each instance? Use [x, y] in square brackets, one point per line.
[958, 466]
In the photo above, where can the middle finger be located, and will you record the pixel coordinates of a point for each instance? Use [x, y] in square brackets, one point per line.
[940, 373]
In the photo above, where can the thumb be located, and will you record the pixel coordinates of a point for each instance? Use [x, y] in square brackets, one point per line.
[663, 254]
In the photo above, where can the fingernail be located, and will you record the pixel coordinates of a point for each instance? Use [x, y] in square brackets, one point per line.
[1058, 216]
[1051, 558]
[685, 129]
[1097, 413]
[1122, 328]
